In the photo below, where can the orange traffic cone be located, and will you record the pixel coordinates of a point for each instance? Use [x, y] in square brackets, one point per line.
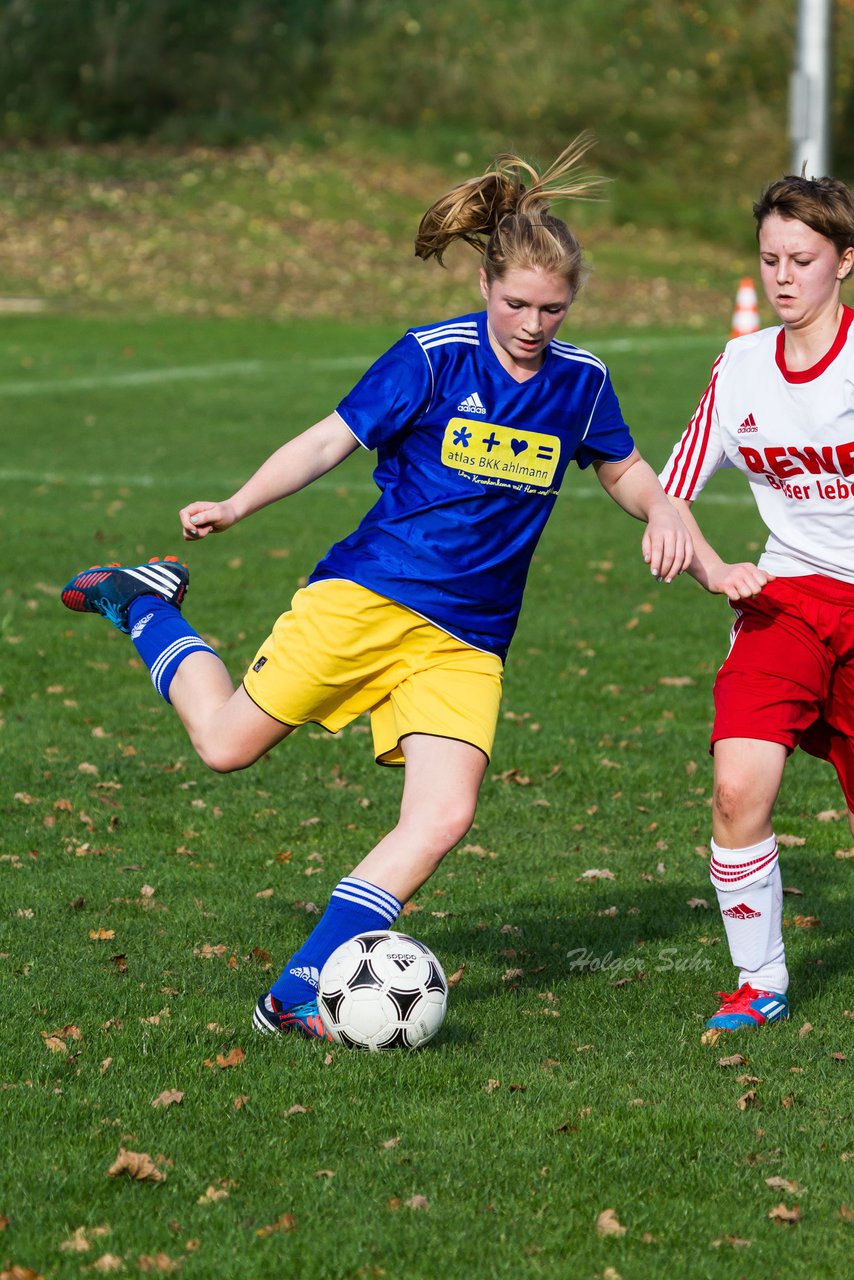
[745, 317]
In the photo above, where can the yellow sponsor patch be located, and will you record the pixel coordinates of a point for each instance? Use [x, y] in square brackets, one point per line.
[485, 450]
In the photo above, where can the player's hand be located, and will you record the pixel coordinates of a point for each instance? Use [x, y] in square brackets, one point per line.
[667, 546]
[198, 519]
[738, 581]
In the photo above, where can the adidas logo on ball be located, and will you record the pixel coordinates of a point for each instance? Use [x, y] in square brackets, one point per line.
[381, 991]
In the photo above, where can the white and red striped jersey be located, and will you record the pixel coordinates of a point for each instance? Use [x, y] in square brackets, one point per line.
[792, 435]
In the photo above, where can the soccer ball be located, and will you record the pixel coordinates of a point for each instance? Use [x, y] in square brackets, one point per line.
[382, 991]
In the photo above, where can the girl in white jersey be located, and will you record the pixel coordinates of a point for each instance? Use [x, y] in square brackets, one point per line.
[475, 422]
[780, 408]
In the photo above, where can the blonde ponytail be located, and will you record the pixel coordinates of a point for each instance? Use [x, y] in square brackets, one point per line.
[504, 214]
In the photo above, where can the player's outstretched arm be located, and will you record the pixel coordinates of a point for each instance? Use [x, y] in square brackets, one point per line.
[634, 486]
[736, 581]
[293, 466]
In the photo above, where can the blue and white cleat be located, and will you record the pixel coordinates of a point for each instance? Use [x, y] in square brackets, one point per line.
[748, 1007]
[305, 1019]
[110, 589]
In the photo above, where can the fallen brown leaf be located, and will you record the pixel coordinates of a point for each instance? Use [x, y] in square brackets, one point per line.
[65, 1033]
[55, 1044]
[784, 1184]
[212, 1195]
[746, 1100]
[77, 1242]
[168, 1098]
[734, 1060]
[784, 1216]
[286, 1222]
[136, 1164]
[608, 1224]
[231, 1059]
[158, 1262]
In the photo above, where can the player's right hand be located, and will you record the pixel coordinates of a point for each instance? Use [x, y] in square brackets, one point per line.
[739, 581]
[198, 519]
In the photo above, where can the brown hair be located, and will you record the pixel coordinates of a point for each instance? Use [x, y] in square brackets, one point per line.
[824, 204]
[508, 222]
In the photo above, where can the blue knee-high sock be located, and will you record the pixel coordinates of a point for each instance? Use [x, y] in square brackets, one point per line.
[162, 639]
[355, 907]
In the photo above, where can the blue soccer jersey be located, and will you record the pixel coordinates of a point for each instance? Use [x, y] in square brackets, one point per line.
[469, 464]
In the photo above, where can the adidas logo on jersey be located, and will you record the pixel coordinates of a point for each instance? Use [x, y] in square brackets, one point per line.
[742, 912]
[471, 404]
[749, 424]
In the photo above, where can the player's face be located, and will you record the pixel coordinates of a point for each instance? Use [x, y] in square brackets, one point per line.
[801, 270]
[524, 312]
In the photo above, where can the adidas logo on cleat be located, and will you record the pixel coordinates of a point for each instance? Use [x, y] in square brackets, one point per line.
[742, 912]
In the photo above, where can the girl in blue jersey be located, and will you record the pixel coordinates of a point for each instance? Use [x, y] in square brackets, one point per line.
[474, 422]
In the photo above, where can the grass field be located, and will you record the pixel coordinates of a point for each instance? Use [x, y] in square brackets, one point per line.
[145, 903]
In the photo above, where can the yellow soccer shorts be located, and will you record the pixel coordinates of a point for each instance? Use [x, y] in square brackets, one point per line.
[342, 650]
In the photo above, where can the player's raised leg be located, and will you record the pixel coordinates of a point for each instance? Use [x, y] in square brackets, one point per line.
[225, 726]
[746, 875]
[442, 780]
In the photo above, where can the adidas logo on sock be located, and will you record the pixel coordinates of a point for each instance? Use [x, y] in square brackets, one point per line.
[471, 404]
[308, 973]
[742, 912]
[139, 627]
[749, 424]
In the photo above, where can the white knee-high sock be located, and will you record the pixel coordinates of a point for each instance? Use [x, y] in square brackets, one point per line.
[750, 895]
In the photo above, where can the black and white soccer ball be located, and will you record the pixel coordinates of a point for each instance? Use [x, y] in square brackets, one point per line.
[382, 990]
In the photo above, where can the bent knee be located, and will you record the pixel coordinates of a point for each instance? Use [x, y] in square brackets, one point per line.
[735, 797]
[222, 757]
[441, 831]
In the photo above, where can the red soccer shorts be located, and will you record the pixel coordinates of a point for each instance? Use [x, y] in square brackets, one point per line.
[789, 674]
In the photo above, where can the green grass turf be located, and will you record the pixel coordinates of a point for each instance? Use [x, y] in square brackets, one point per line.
[569, 1077]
